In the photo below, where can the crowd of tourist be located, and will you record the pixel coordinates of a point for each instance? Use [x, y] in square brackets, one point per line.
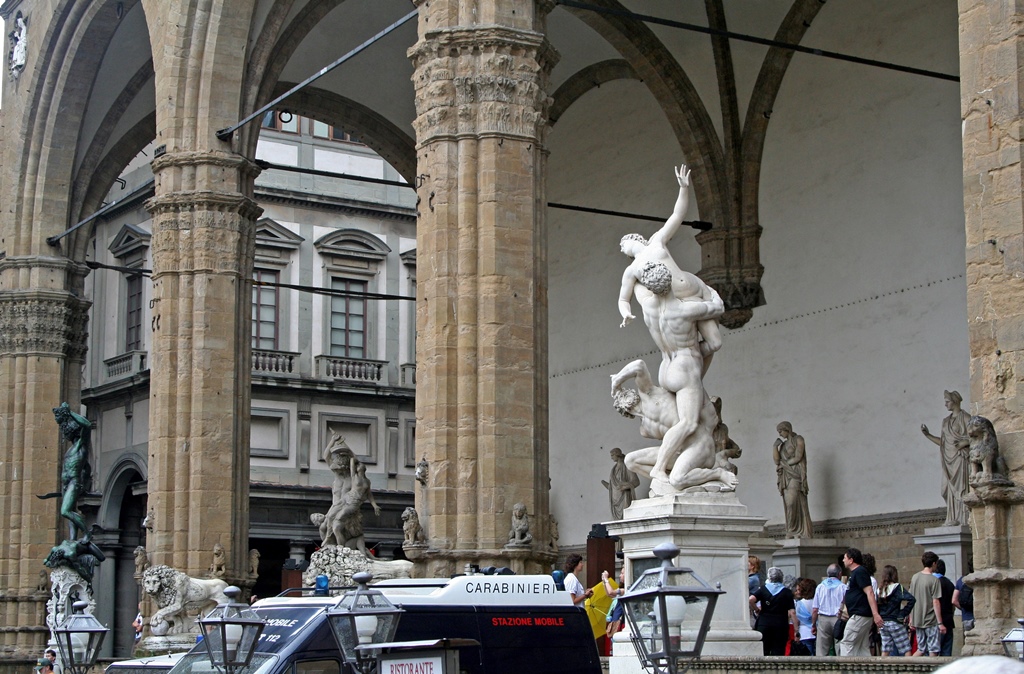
[851, 613]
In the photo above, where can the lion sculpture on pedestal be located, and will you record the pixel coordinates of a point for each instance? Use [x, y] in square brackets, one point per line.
[173, 591]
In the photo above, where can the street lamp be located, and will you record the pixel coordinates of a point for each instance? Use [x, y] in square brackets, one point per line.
[231, 632]
[1013, 642]
[79, 637]
[669, 612]
[361, 618]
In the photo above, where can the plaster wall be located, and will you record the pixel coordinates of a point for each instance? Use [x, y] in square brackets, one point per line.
[863, 249]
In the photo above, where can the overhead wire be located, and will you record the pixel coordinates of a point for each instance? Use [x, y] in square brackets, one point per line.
[742, 37]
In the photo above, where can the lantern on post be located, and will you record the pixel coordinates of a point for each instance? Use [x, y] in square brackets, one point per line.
[1013, 642]
[79, 637]
[230, 632]
[669, 612]
[361, 618]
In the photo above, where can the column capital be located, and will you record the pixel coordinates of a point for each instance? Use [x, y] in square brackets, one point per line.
[477, 81]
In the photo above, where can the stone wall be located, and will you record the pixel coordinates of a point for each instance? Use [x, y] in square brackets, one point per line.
[889, 537]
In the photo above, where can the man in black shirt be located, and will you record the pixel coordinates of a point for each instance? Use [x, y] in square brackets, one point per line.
[945, 607]
[861, 605]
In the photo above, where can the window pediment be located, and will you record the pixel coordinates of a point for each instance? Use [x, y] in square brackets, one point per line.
[353, 244]
[272, 234]
[131, 239]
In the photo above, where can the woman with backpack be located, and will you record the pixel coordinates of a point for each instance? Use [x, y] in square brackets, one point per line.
[891, 595]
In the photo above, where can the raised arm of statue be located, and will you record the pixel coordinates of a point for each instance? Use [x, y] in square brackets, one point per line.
[924, 431]
[671, 226]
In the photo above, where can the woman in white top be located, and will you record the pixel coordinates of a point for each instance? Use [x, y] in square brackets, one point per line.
[574, 565]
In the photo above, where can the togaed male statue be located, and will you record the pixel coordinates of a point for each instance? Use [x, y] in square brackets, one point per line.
[953, 449]
[621, 484]
[680, 311]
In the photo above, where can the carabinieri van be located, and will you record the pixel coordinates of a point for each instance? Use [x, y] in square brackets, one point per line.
[523, 623]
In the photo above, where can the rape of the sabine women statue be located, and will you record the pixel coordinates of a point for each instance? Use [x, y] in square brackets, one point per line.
[953, 448]
[695, 467]
[681, 312]
[790, 456]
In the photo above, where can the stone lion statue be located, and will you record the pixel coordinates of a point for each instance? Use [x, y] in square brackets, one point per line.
[520, 532]
[987, 465]
[414, 534]
[173, 590]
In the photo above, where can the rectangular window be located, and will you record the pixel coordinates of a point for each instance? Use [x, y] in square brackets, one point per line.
[348, 319]
[264, 310]
[133, 315]
[321, 130]
[281, 121]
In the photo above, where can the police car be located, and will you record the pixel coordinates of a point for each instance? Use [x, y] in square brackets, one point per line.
[523, 624]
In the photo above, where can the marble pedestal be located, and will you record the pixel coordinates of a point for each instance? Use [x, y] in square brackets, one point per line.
[952, 544]
[806, 557]
[711, 530]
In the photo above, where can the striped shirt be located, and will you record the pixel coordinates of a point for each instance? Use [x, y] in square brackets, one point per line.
[829, 596]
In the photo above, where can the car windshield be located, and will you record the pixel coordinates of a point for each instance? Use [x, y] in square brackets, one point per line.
[198, 662]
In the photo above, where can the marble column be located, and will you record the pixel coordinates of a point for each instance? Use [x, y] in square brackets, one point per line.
[481, 71]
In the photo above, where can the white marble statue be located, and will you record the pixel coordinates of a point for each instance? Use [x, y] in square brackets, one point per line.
[695, 467]
[173, 591]
[790, 456]
[681, 312]
[621, 484]
[343, 523]
[19, 46]
[953, 449]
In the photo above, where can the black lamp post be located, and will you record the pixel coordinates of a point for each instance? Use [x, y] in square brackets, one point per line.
[1013, 642]
[669, 612]
[231, 632]
[79, 637]
[361, 618]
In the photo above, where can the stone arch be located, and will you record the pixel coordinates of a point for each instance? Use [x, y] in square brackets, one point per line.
[769, 79]
[98, 184]
[677, 96]
[193, 43]
[591, 77]
[381, 135]
[84, 189]
[130, 467]
[61, 80]
[270, 55]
